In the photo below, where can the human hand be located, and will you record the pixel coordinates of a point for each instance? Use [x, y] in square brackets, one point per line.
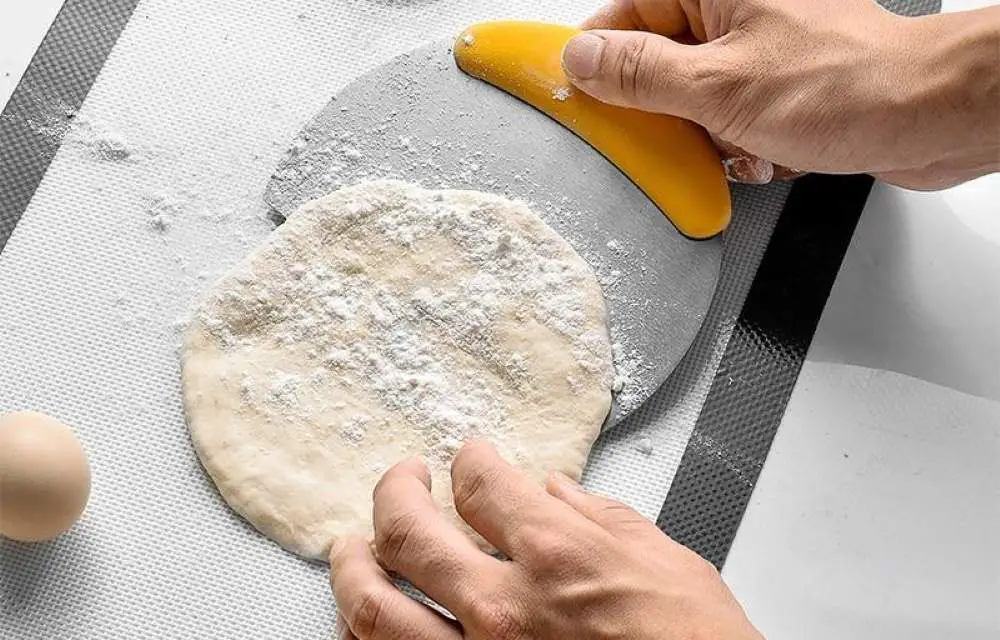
[580, 566]
[833, 86]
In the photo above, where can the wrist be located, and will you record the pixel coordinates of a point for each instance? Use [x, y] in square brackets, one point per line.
[951, 90]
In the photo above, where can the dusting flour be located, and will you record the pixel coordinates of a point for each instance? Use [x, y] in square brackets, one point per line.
[385, 321]
[561, 94]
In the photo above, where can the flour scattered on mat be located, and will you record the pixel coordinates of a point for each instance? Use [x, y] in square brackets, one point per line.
[737, 462]
[52, 118]
[644, 446]
[172, 193]
[48, 116]
[162, 209]
[110, 146]
[351, 154]
[101, 141]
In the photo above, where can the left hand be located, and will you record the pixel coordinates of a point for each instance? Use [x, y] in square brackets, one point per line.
[580, 566]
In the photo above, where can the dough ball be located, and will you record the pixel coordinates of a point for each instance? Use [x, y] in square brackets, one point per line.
[386, 321]
[44, 477]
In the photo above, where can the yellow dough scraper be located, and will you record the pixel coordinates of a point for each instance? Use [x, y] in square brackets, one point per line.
[641, 197]
[672, 160]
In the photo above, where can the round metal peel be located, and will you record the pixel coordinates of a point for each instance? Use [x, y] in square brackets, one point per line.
[419, 118]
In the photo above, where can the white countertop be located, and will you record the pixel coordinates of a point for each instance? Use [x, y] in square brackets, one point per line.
[878, 511]
[877, 514]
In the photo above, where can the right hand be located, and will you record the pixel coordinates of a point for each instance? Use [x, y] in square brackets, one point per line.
[579, 565]
[833, 86]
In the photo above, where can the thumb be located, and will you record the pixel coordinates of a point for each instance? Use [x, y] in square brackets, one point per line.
[645, 71]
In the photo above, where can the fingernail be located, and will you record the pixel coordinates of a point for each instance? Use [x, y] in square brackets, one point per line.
[582, 55]
[567, 482]
[748, 170]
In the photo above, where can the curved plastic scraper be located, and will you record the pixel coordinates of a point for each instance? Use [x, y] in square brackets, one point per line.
[419, 118]
[672, 160]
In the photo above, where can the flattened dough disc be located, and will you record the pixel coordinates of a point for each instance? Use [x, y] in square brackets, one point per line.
[418, 118]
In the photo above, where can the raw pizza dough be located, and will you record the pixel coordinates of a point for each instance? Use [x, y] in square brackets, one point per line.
[385, 321]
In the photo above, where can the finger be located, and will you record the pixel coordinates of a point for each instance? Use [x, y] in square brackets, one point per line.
[620, 521]
[372, 607]
[696, 25]
[748, 170]
[742, 166]
[614, 15]
[665, 17]
[785, 173]
[413, 539]
[342, 631]
[614, 517]
[650, 72]
[503, 505]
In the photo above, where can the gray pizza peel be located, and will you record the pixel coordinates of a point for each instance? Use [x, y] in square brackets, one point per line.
[419, 118]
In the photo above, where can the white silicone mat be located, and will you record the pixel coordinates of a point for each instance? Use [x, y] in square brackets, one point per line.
[154, 193]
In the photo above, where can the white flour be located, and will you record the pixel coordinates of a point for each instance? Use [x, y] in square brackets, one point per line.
[561, 94]
[162, 210]
[101, 141]
[394, 359]
[644, 446]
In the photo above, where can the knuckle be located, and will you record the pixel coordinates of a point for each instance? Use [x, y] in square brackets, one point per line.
[470, 490]
[621, 513]
[637, 63]
[500, 619]
[554, 552]
[365, 612]
[728, 95]
[394, 538]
